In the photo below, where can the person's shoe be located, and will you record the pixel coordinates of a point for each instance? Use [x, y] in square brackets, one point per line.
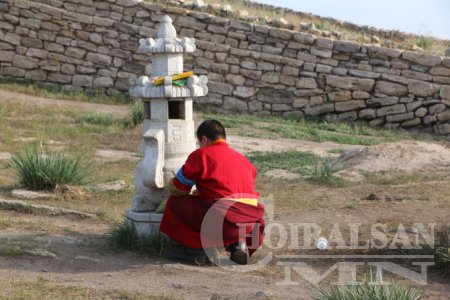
[188, 255]
[238, 253]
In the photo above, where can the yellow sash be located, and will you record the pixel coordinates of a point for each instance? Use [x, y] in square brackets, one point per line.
[249, 201]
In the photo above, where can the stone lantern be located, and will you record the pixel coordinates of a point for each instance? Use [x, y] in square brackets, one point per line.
[168, 123]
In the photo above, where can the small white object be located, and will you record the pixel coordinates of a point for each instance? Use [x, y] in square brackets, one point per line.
[322, 243]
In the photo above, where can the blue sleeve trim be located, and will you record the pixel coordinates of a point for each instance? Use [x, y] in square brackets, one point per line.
[183, 179]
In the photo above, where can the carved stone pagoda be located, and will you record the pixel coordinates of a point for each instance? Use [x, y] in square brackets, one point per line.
[168, 123]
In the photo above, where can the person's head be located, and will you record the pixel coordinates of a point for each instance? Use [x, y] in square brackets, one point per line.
[210, 131]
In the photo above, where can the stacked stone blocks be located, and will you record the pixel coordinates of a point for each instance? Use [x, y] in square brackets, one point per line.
[86, 44]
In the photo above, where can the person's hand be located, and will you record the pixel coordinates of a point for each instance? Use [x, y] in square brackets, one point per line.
[194, 192]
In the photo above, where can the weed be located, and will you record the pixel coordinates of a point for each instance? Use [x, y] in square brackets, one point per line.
[11, 250]
[38, 171]
[293, 161]
[442, 250]
[369, 291]
[350, 206]
[323, 173]
[319, 170]
[97, 118]
[136, 111]
[123, 236]
[5, 222]
[336, 151]
[425, 42]
[22, 208]
[324, 26]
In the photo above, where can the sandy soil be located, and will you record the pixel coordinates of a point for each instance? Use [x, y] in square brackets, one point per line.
[406, 156]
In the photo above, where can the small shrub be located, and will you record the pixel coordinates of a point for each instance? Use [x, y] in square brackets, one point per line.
[123, 236]
[369, 291]
[98, 118]
[37, 171]
[136, 111]
[2, 111]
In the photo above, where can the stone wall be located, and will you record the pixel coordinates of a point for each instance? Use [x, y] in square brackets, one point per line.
[86, 44]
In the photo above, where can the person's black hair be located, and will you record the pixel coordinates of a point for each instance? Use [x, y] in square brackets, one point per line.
[212, 129]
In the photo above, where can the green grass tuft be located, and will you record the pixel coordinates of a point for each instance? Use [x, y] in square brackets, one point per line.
[323, 173]
[98, 118]
[2, 111]
[38, 171]
[123, 236]
[136, 111]
[425, 42]
[293, 161]
[369, 291]
[320, 170]
[5, 222]
[442, 250]
[336, 151]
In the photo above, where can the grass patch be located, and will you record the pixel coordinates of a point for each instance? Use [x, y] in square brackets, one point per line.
[136, 112]
[336, 151]
[369, 291]
[5, 223]
[16, 288]
[293, 161]
[312, 129]
[319, 170]
[54, 91]
[11, 250]
[425, 42]
[323, 173]
[37, 171]
[323, 25]
[442, 250]
[123, 236]
[350, 206]
[2, 111]
[25, 209]
[98, 118]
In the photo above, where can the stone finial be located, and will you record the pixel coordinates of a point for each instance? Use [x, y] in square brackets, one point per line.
[166, 29]
[167, 40]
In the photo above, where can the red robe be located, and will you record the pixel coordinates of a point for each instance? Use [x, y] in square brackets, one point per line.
[218, 172]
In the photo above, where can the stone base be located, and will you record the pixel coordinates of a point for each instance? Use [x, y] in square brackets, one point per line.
[145, 223]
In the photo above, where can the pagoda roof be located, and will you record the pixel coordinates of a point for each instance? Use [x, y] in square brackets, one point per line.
[167, 40]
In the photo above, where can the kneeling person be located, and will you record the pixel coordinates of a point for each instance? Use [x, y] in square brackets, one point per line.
[225, 191]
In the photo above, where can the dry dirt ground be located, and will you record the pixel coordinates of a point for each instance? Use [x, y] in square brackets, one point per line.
[73, 250]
